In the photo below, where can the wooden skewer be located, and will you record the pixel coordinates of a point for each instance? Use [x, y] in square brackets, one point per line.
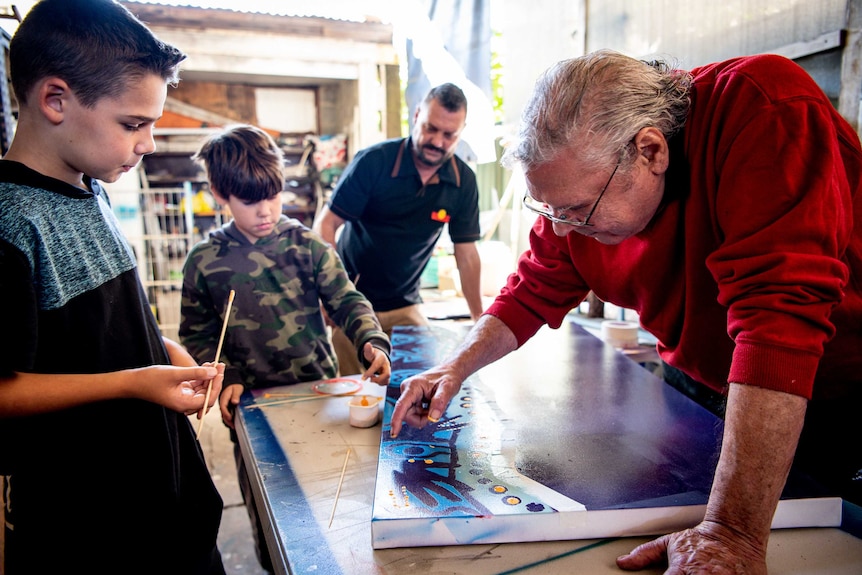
[217, 355]
[284, 401]
[338, 491]
[298, 398]
[291, 395]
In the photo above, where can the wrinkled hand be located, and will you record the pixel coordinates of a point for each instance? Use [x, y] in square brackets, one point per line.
[228, 400]
[706, 548]
[424, 397]
[182, 389]
[380, 368]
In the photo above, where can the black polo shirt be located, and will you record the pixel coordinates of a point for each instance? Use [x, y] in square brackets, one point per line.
[393, 222]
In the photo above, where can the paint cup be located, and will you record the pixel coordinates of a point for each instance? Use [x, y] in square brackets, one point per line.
[364, 410]
[620, 334]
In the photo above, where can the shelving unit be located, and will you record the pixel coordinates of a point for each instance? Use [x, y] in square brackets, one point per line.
[303, 194]
[172, 223]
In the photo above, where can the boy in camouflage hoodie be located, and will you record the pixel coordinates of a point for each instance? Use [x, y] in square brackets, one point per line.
[281, 272]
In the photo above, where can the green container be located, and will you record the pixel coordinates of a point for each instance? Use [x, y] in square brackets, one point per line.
[429, 278]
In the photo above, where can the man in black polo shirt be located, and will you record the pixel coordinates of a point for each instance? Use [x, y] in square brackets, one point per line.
[393, 200]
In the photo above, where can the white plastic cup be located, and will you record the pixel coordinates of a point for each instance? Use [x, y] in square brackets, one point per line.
[364, 410]
[620, 334]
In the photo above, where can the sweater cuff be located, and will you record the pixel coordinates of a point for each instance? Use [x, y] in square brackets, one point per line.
[378, 343]
[232, 376]
[521, 322]
[773, 367]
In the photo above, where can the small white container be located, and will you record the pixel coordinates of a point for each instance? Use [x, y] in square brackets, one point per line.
[620, 334]
[364, 410]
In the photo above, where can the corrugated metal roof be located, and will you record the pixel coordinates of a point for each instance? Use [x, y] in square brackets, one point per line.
[345, 10]
[361, 11]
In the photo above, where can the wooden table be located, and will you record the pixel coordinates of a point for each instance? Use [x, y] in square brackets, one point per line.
[297, 452]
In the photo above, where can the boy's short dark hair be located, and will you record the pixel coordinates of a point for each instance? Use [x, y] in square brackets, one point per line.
[95, 46]
[243, 161]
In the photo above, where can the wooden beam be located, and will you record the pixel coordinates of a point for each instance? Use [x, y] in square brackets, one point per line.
[824, 42]
[851, 65]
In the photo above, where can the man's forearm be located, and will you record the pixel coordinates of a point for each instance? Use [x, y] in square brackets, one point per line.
[761, 432]
[489, 340]
[471, 288]
[470, 271]
[326, 225]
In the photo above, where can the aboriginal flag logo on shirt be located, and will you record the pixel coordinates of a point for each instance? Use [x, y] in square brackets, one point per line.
[441, 215]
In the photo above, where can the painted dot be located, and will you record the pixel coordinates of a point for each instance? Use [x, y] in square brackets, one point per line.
[499, 489]
[429, 461]
[511, 500]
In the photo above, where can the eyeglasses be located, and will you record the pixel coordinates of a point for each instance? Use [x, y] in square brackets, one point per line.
[542, 209]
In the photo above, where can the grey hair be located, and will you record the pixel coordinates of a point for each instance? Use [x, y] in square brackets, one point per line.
[599, 102]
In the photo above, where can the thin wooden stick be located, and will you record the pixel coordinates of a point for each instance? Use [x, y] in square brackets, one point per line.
[217, 355]
[298, 398]
[267, 395]
[338, 491]
[284, 401]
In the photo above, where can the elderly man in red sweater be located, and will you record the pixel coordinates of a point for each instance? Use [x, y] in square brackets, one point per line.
[723, 205]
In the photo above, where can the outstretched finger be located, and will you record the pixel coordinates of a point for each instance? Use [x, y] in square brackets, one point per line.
[398, 414]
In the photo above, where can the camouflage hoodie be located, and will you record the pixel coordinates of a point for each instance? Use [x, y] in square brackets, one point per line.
[276, 334]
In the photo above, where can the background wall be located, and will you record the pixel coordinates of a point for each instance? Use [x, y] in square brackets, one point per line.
[691, 33]
[701, 32]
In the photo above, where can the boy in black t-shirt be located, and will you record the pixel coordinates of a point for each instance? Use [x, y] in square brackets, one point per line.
[101, 469]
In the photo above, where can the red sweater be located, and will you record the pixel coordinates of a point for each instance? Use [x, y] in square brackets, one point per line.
[754, 261]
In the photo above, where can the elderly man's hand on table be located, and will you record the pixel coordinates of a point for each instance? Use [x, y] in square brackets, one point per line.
[761, 431]
[706, 548]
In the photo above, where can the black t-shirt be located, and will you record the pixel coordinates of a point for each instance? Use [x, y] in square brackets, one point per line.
[115, 481]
